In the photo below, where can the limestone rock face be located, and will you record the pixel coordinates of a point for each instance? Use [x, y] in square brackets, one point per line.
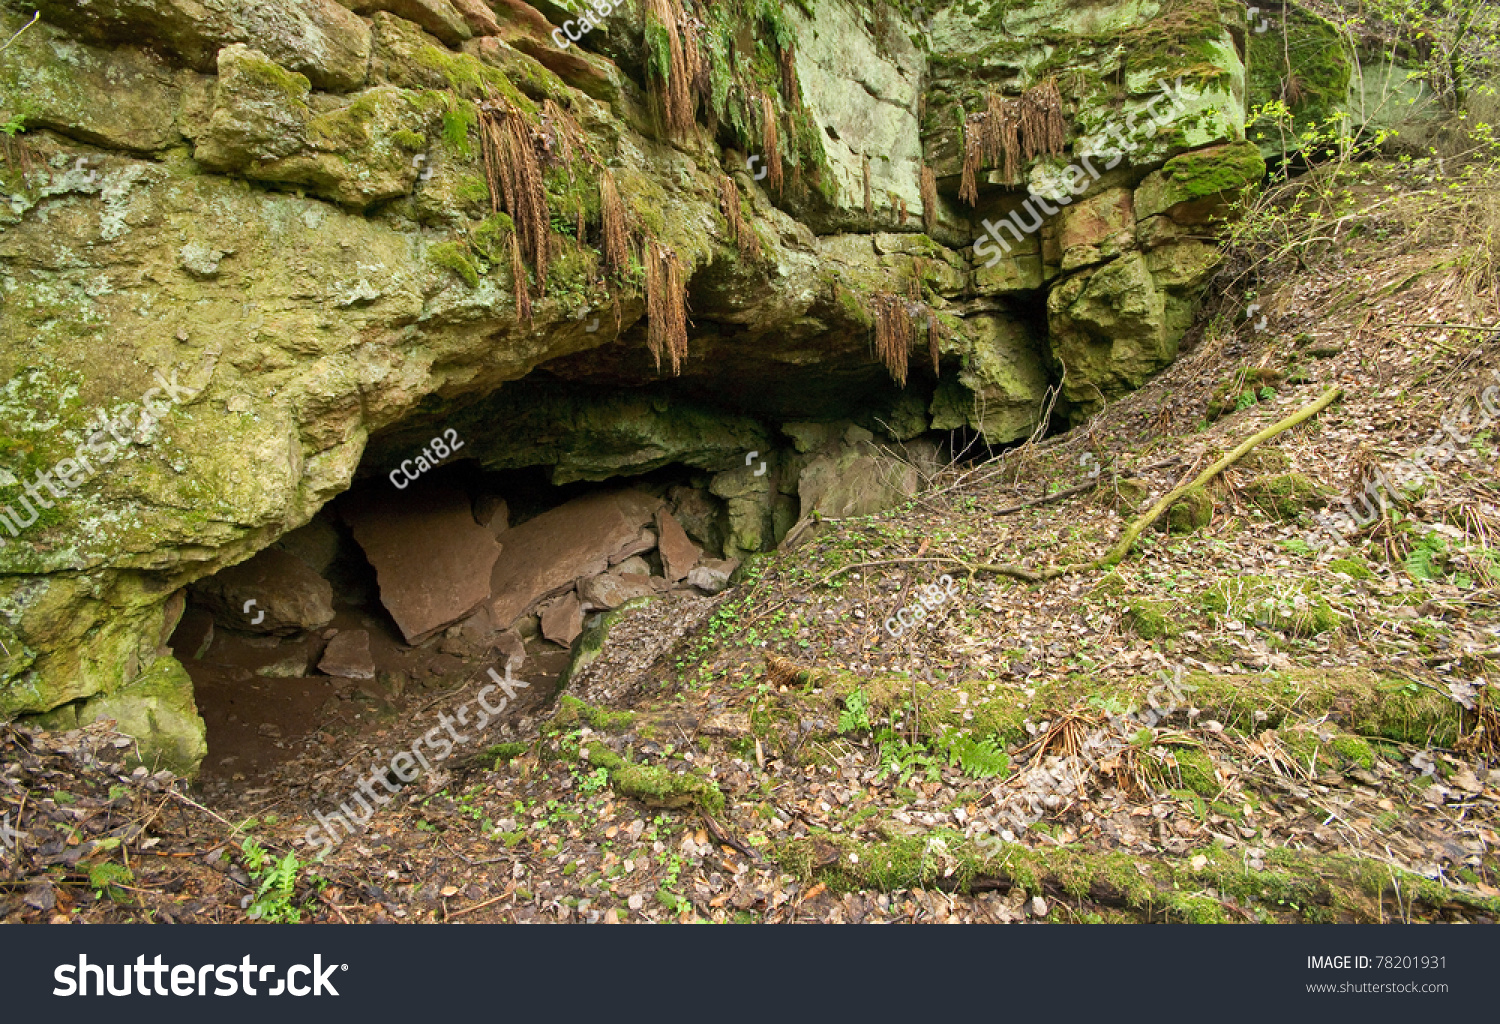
[283, 206]
[317, 38]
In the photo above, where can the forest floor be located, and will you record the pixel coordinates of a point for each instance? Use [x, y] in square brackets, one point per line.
[1235, 723]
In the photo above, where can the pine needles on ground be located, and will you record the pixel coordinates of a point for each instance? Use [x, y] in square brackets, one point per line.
[666, 306]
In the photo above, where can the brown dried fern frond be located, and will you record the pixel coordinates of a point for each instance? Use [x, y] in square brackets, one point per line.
[770, 141]
[929, 199]
[968, 191]
[612, 225]
[676, 91]
[791, 86]
[745, 238]
[518, 280]
[666, 306]
[1043, 129]
[515, 180]
[781, 672]
[893, 334]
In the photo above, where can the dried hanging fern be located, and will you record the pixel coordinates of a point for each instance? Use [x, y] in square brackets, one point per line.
[666, 306]
[929, 200]
[770, 141]
[613, 232]
[1008, 132]
[743, 234]
[968, 191]
[676, 78]
[515, 179]
[1043, 130]
[893, 334]
[518, 279]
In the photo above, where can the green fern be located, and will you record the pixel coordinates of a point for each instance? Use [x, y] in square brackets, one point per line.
[856, 714]
[1423, 562]
[277, 884]
[979, 759]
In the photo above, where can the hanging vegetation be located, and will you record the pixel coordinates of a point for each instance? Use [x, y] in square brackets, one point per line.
[518, 277]
[770, 141]
[893, 333]
[515, 180]
[869, 197]
[740, 230]
[1010, 131]
[613, 234]
[666, 306]
[675, 64]
[929, 200]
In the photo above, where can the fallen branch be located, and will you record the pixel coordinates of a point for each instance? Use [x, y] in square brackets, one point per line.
[1132, 533]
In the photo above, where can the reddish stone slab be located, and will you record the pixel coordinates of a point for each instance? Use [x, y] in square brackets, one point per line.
[546, 554]
[678, 553]
[432, 561]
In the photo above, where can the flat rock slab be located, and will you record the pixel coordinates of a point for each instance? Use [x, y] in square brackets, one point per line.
[348, 656]
[282, 593]
[678, 553]
[609, 591]
[432, 561]
[562, 620]
[546, 554]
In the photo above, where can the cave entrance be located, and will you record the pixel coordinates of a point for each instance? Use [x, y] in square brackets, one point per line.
[417, 583]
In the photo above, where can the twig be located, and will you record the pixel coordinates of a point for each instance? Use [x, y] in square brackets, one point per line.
[1068, 493]
[24, 27]
[460, 913]
[205, 810]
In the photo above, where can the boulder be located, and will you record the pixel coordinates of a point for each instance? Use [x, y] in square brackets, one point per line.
[562, 620]
[492, 512]
[439, 17]
[317, 38]
[62, 82]
[855, 481]
[637, 545]
[478, 16]
[678, 554]
[609, 590]
[193, 635]
[713, 575]
[547, 553]
[348, 656]
[273, 592]
[635, 565]
[263, 127]
[432, 561]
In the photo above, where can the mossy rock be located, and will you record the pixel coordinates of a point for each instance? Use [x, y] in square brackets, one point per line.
[1285, 496]
[1190, 513]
